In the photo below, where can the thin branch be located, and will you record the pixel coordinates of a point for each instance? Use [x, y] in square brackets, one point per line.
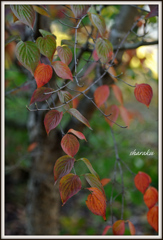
[59, 88]
[18, 87]
[127, 46]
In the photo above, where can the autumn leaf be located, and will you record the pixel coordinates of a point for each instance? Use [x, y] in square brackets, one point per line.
[119, 227]
[25, 14]
[125, 115]
[131, 227]
[101, 94]
[65, 96]
[52, 119]
[98, 22]
[105, 181]
[103, 48]
[47, 46]
[70, 144]
[142, 181]
[151, 197]
[114, 111]
[79, 10]
[78, 134]
[39, 96]
[96, 202]
[94, 181]
[106, 229]
[65, 54]
[43, 74]
[28, 55]
[32, 146]
[143, 93]
[69, 185]
[89, 166]
[62, 70]
[79, 116]
[63, 166]
[41, 10]
[118, 93]
[152, 217]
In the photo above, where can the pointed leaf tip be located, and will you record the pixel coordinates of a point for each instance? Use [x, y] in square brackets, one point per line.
[52, 119]
[43, 74]
[62, 70]
[70, 144]
[152, 217]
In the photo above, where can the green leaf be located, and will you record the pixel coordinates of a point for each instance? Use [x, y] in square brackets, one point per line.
[11, 39]
[47, 46]
[88, 164]
[41, 11]
[94, 181]
[98, 22]
[70, 43]
[65, 54]
[45, 33]
[28, 55]
[103, 48]
[65, 96]
[25, 13]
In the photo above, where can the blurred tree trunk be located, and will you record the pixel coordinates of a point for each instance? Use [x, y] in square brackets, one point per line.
[43, 200]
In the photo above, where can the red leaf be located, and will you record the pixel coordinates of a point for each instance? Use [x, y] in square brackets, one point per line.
[151, 197]
[52, 119]
[62, 70]
[125, 115]
[118, 93]
[39, 96]
[79, 116]
[101, 94]
[96, 202]
[143, 93]
[131, 227]
[105, 181]
[43, 74]
[70, 144]
[119, 227]
[142, 181]
[32, 146]
[94, 182]
[65, 54]
[63, 166]
[114, 111]
[152, 217]
[69, 185]
[77, 134]
[106, 230]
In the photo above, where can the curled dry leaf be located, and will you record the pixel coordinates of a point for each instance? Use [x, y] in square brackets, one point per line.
[63, 166]
[150, 197]
[96, 202]
[101, 94]
[114, 111]
[70, 144]
[69, 185]
[119, 227]
[142, 181]
[143, 93]
[43, 74]
[152, 217]
[52, 119]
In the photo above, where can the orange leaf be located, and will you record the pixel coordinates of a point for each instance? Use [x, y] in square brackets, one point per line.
[118, 93]
[131, 227]
[143, 93]
[43, 74]
[70, 144]
[96, 202]
[63, 166]
[106, 229]
[114, 111]
[69, 185]
[151, 197]
[62, 70]
[152, 217]
[94, 182]
[52, 119]
[119, 227]
[101, 94]
[125, 115]
[142, 181]
[77, 134]
[105, 181]
[32, 146]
